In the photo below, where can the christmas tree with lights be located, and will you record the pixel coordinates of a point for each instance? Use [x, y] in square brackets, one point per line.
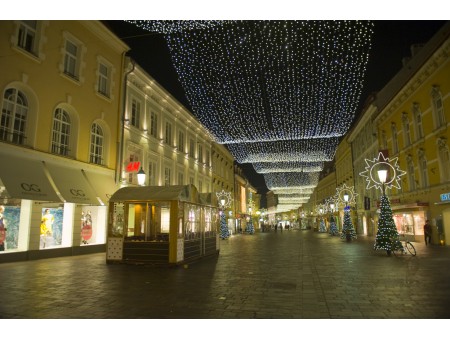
[348, 232]
[250, 228]
[322, 227]
[224, 233]
[387, 231]
[333, 228]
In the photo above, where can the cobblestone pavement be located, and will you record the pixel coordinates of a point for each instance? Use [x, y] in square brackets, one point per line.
[276, 275]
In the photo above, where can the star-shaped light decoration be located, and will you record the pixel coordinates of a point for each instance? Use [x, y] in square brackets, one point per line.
[225, 197]
[341, 191]
[381, 162]
[328, 202]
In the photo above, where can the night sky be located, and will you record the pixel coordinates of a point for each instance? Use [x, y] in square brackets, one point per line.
[391, 43]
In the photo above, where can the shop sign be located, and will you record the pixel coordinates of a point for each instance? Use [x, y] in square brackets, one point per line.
[133, 166]
[445, 197]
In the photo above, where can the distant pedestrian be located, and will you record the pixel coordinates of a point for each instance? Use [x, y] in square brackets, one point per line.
[427, 232]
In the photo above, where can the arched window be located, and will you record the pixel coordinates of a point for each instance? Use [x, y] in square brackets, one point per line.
[418, 121]
[406, 131]
[444, 159]
[411, 173]
[423, 168]
[394, 138]
[438, 107]
[61, 132]
[13, 116]
[97, 145]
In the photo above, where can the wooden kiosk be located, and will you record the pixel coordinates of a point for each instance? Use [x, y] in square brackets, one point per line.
[167, 225]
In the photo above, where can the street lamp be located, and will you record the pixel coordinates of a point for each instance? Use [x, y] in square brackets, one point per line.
[141, 177]
[382, 175]
[224, 201]
[346, 199]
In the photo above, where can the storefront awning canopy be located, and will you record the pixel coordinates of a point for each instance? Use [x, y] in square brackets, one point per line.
[185, 193]
[26, 179]
[103, 184]
[72, 184]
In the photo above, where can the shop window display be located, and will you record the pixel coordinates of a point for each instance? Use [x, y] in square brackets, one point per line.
[9, 227]
[86, 227]
[51, 227]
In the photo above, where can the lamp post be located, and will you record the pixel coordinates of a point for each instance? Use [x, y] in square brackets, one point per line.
[224, 199]
[382, 175]
[249, 228]
[333, 228]
[141, 177]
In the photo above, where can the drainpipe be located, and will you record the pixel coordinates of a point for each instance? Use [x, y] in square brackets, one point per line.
[122, 129]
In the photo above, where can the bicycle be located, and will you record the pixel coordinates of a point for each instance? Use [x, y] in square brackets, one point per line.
[402, 247]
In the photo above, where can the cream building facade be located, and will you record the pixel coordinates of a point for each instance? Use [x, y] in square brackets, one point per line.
[61, 87]
[162, 137]
[413, 126]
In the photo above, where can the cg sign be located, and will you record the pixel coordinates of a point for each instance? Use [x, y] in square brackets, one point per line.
[77, 192]
[30, 187]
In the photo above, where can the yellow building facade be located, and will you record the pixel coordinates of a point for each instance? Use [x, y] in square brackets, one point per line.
[413, 126]
[61, 85]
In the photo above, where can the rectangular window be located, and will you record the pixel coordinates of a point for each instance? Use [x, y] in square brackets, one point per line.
[180, 178]
[71, 59]
[27, 36]
[152, 173]
[200, 153]
[153, 124]
[133, 157]
[103, 79]
[168, 135]
[135, 113]
[191, 148]
[180, 145]
[200, 186]
[166, 176]
[207, 158]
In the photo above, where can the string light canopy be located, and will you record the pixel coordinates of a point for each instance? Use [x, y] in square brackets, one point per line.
[309, 150]
[289, 166]
[292, 190]
[298, 180]
[173, 26]
[271, 90]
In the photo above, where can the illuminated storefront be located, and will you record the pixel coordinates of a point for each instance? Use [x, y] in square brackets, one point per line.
[51, 207]
[410, 219]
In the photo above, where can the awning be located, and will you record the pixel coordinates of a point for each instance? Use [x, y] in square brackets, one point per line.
[186, 193]
[26, 179]
[72, 184]
[103, 184]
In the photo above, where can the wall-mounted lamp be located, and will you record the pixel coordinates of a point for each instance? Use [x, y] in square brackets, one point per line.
[141, 177]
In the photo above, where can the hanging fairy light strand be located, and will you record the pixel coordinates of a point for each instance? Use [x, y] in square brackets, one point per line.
[300, 79]
[299, 180]
[311, 150]
[272, 91]
[288, 166]
[173, 26]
